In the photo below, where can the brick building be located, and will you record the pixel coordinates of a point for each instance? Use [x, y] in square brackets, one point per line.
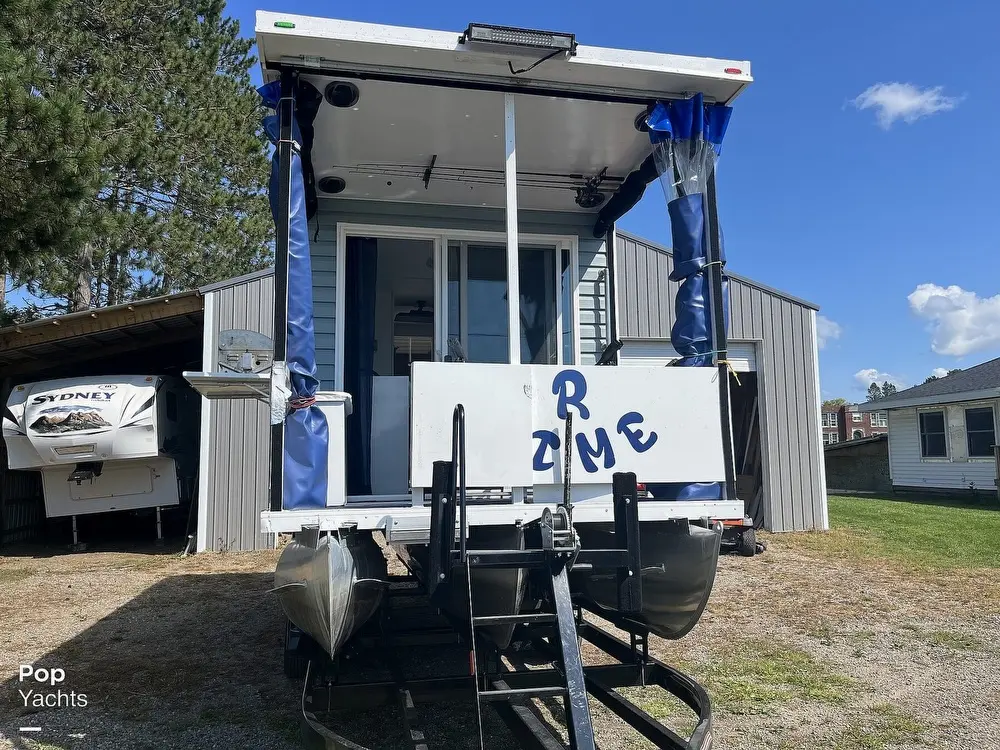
[846, 422]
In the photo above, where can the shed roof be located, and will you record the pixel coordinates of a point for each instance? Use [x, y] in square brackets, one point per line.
[100, 332]
[981, 381]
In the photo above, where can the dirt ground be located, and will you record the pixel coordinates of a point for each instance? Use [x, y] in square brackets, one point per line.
[799, 648]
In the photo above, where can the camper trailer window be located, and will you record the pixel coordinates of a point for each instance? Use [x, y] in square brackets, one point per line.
[487, 303]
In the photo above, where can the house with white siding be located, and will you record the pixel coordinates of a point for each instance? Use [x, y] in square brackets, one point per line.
[942, 433]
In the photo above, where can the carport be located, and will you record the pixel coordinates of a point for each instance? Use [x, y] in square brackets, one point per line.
[162, 335]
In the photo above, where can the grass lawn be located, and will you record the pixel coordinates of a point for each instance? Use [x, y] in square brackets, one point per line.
[922, 533]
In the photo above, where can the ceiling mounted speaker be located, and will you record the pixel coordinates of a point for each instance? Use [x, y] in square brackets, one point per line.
[342, 94]
[332, 185]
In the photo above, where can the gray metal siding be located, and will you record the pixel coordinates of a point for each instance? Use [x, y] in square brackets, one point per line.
[592, 313]
[792, 455]
[237, 472]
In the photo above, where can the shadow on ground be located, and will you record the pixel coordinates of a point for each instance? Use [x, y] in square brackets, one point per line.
[196, 661]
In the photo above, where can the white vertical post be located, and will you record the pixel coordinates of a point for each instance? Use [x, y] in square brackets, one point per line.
[510, 182]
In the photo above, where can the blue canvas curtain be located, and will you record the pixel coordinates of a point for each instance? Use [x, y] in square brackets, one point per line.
[360, 268]
[306, 431]
[687, 140]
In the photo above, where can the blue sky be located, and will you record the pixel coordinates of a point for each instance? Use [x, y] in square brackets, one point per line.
[851, 207]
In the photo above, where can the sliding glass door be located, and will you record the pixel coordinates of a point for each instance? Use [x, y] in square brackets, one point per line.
[477, 327]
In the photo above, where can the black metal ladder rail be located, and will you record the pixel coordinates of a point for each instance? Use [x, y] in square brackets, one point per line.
[560, 551]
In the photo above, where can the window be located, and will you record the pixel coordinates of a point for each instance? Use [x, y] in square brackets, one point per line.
[477, 304]
[858, 434]
[856, 416]
[828, 419]
[879, 419]
[979, 432]
[834, 437]
[933, 441]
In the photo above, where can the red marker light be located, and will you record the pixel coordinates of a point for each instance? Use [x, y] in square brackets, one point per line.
[734, 71]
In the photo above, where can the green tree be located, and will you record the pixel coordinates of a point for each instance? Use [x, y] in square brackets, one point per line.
[888, 389]
[834, 403]
[874, 392]
[149, 172]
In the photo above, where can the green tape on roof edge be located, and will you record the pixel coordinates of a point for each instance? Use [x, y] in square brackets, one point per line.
[284, 24]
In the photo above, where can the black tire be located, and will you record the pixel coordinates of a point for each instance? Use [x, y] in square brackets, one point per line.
[746, 542]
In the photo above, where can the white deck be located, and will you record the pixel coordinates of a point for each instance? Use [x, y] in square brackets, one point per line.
[411, 525]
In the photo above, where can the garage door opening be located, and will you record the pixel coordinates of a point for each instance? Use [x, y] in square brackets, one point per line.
[745, 400]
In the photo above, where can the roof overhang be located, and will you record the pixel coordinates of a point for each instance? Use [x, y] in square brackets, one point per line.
[938, 400]
[100, 333]
[428, 122]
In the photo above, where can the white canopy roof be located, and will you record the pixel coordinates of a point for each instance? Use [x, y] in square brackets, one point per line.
[426, 97]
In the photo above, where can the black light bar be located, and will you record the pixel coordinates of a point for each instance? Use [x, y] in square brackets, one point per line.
[511, 36]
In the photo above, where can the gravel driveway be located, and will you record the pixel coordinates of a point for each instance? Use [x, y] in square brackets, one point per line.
[800, 648]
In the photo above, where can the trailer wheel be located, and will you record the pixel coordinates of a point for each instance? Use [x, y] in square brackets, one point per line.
[746, 542]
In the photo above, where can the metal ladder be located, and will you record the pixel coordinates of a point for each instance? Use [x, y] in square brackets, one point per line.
[559, 553]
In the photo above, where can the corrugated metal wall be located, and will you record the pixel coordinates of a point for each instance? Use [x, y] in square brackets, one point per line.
[236, 472]
[795, 495]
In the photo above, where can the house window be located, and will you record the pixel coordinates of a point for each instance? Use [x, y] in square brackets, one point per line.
[856, 416]
[834, 437]
[979, 432]
[879, 419]
[933, 441]
[858, 434]
[828, 419]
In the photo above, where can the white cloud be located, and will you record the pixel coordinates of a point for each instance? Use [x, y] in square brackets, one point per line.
[903, 101]
[939, 372]
[871, 375]
[960, 322]
[826, 331]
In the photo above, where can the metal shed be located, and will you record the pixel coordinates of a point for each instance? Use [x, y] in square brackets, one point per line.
[235, 437]
[773, 336]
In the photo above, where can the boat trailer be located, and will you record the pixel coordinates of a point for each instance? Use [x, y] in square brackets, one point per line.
[412, 617]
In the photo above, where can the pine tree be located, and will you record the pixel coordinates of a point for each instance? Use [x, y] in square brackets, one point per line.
[874, 392]
[149, 111]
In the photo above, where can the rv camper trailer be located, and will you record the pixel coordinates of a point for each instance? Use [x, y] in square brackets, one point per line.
[105, 443]
[445, 370]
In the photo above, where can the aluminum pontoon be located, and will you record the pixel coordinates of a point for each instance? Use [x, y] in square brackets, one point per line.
[445, 356]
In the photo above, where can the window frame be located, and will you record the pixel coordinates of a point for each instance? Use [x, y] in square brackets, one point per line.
[968, 445]
[857, 416]
[879, 419]
[441, 238]
[920, 434]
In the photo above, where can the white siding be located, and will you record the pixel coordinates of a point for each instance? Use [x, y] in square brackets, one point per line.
[957, 472]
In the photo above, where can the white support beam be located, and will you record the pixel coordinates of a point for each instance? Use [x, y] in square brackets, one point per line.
[510, 181]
